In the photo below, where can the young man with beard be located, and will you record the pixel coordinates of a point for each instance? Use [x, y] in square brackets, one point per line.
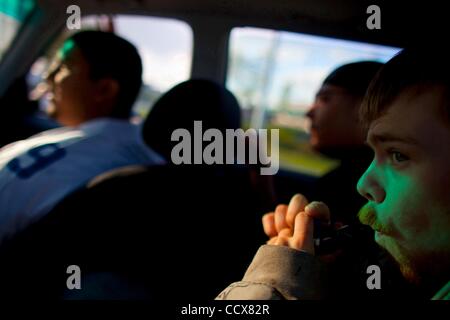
[407, 187]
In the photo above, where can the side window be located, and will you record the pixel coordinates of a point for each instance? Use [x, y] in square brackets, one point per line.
[165, 47]
[275, 76]
[166, 52]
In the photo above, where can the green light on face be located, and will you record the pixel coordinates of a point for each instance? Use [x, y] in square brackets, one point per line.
[65, 49]
[366, 216]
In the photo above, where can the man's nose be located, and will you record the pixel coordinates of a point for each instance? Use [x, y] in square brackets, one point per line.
[369, 185]
[311, 111]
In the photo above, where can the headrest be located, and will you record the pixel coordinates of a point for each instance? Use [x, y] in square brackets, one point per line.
[189, 101]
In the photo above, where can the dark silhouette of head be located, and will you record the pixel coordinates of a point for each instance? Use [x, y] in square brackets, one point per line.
[334, 113]
[193, 100]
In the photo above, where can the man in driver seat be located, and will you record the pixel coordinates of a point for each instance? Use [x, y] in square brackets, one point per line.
[93, 89]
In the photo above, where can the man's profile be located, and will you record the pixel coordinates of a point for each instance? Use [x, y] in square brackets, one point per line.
[407, 189]
[92, 88]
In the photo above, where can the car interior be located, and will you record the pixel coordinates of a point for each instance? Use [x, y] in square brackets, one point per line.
[187, 231]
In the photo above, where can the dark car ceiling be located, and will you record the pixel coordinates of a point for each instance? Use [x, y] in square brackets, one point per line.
[402, 22]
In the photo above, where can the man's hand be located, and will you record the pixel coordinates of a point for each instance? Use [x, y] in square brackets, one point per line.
[292, 225]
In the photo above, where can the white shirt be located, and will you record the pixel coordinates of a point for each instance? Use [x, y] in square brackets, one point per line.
[37, 173]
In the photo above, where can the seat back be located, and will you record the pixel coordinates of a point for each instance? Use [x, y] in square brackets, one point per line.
[180, 232]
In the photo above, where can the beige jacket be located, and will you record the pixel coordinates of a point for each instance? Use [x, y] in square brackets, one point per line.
[278, 273]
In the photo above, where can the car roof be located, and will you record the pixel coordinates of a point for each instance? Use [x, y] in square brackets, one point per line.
[401, 22]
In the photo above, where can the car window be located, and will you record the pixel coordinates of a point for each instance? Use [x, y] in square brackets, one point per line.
[165, 49]
[276, 75]
[166, 52]
[12, 15]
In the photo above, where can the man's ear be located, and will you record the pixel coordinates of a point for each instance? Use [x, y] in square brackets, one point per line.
[107, 89]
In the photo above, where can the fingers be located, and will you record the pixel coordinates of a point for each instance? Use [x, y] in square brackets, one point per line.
[282, 241]
[268, 221]
[283, 217]
[293, 225]
[318, 210]
[274, 222]
[280, 217]
[302, 238]
[296, 205]
[286, 233]
[283, 237]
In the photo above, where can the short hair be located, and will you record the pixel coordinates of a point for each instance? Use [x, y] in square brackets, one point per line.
[354, 77]
[413, 68]
[109, 55]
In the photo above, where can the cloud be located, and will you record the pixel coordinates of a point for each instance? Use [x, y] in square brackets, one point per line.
[164, 71]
